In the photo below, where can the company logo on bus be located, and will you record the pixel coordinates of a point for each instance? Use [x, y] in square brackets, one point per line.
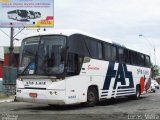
[119, 76]
[93, 68]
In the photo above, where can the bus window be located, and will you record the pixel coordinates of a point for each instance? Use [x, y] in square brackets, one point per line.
[92, 47]
[140, 59]
[147, 61]
[133, 58]
[100, 50]
[121, 55]
[126, 56]
[113, 53]
[107, 52]
[74, 64]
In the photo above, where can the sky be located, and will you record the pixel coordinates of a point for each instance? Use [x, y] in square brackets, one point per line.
[120, 20]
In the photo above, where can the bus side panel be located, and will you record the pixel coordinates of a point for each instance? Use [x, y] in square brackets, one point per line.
[92, 74]
[115, 79]
[141, 76]
[76, 89]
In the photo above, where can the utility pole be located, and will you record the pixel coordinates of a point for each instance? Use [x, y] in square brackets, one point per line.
[154, 55]
[11, 47]
[151, 45]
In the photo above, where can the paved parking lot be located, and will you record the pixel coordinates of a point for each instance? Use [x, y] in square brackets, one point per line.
[148, 107]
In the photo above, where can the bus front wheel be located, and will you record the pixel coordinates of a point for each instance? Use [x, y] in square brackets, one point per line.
[92, 97]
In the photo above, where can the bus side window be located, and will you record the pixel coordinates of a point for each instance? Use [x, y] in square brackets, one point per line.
[113, 53]
[140, 59]
[100, 56]
[92, 47]
[107, 52]
[147, 61]
[133, 58]
[121, 55]
[126, 56]
[74, 64]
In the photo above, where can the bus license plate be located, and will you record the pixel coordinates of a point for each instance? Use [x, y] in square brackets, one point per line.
[33, 94]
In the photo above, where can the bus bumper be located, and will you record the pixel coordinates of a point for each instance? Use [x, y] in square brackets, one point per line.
[55, 97]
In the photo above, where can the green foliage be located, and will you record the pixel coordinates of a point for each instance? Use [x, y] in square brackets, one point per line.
[155, 70]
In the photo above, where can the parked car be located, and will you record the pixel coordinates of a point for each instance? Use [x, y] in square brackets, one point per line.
[152, 88]
[155, 83]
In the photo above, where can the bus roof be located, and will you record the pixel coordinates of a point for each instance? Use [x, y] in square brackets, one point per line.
[68, 32]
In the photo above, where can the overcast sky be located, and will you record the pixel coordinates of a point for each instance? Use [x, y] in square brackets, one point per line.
[120, 20]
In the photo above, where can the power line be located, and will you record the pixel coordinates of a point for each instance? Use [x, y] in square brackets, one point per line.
[151, 45]
[4, 33]
[18, 32]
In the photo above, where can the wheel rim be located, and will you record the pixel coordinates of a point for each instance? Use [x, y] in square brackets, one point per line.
[91, 97]
[138, 93]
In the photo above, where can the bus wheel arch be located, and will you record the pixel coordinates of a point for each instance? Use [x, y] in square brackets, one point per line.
[92, 96]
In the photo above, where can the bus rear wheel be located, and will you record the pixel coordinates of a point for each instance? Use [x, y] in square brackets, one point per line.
[138, 93]
[92, 97]
[136, 96]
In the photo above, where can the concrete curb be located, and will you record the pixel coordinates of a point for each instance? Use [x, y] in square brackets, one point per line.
[3, 95]
[7, 100]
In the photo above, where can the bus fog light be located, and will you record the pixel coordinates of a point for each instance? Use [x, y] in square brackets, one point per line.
[19, 91]
[55, 93]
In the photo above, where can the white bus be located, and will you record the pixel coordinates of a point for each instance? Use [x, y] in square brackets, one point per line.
[18, 14]
[31, 14]
[70, 67]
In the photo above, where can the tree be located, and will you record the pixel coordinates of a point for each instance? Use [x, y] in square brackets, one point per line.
[155, 70]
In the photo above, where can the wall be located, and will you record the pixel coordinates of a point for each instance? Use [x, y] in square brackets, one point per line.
[1, 85]
[1, 67]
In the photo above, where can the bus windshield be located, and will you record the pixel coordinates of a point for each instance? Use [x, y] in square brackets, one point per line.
[42, 55]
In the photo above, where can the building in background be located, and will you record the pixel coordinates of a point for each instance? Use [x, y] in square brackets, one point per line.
[1, 60]
[4, 61]
[4, 58]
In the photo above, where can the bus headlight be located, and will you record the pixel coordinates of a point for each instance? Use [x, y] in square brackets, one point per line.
[55, 93]
[20, 79]
[51, 93]
[18, 91]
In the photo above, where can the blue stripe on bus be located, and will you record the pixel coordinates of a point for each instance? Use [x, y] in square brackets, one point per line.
[124, 93]
[119, 92]
[105, 92]
[125, 90]
[104, 95]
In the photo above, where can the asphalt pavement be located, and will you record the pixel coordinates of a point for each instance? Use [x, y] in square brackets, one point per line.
[146, 108]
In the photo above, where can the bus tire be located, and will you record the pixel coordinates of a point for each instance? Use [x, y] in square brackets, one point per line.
[138, 92]
[92, 97]
[136, 96]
